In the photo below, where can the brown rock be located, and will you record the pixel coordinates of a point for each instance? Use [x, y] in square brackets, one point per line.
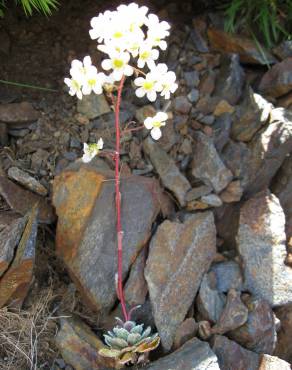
[179, 256]
[185, 331]
[277, 81]
[250, 116]
[207, 165]
[79, 346]
[27, 181]
[18, 114]
[258, 334]
[9, 239]
[227, 220]
[232, 193]
[247, 49]
[204, 330]
[268, 150]
[273, 363]
[136, 288]
[284, 344]
[21, 200]
[86, 235]
[207, 83]
[207, 104]
[234, 314]
[144, 112]
[15, 282]
[232, 356]
[7, 217]
[223, 107]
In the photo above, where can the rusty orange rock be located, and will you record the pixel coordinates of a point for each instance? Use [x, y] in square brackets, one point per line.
[15, 283]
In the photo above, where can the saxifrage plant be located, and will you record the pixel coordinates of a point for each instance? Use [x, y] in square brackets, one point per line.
[130, 38]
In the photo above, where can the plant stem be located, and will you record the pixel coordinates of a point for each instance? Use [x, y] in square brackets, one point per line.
[118, 201]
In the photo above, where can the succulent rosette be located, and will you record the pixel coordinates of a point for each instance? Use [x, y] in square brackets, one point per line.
[129, 343]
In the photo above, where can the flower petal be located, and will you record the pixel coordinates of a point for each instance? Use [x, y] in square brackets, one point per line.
[156, 133]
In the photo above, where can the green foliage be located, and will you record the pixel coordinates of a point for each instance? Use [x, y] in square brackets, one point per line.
[269, 19]
[29, 6]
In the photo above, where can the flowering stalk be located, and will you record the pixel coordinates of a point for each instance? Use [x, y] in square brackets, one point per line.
[118, 201]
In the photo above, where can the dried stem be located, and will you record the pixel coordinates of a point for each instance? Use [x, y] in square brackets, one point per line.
[118, 201]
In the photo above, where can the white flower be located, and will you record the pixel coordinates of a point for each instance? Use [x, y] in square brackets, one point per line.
[157, 31]
[154, 124]
[100, 25]
[147, 55]
[148, 86]
[118, 62]
[74, 87]
[134, 15]
[166, 78]
[93, 81]
[78, 68]
[91, 150]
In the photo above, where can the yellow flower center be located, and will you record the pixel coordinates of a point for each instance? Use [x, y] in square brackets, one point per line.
[145, 55]
[118, 63]
[157, 124]
[91, 82]
[148, 85]
[118, 35]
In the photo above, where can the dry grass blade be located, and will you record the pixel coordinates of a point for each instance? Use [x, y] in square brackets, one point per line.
[26, 336]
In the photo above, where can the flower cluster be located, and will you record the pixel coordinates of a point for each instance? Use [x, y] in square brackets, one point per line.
[131, 39]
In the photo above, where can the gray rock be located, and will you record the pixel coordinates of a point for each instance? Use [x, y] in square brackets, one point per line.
[250, 116]
[273, 363]
[166, 168]
[207, 165]
[210, 302]
[233, 315]
[261, 244]
[182, 105]
[185, 332]
[281, 187]
[193, 95]
[221, 130]
[284, 343]
[198, 192]
[180, 253]
[228, 276]
[258, 334]
[232, 356]
[212, 200]
[193, 355]
[268, 150]
[27, 181]
[230, 79]
[208, 120]
[192, 78]
[93, 106]
[9, 239]
[284, 50]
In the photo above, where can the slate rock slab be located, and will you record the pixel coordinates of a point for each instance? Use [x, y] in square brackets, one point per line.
[27, 181]
[232, 356]
[86, 235]
[207, 165]
[16, 281]
[273, 363]
[277, 81]
[180, 254]
[93, 106]
[79, 346]
[9, 239]
[262, 246]
[18, 114]
[258, 334]
[228, 275]
[193, 355]
[166, 168]
[21, 200]
[268, 150]
[250, 116]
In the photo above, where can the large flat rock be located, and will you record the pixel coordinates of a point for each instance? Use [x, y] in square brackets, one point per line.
[86, 235]
[262, 246]
[180, 254]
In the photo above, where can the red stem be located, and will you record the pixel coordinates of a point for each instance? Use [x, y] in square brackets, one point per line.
[118, 202]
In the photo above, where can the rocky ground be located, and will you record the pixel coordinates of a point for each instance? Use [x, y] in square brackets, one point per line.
[206, 211]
